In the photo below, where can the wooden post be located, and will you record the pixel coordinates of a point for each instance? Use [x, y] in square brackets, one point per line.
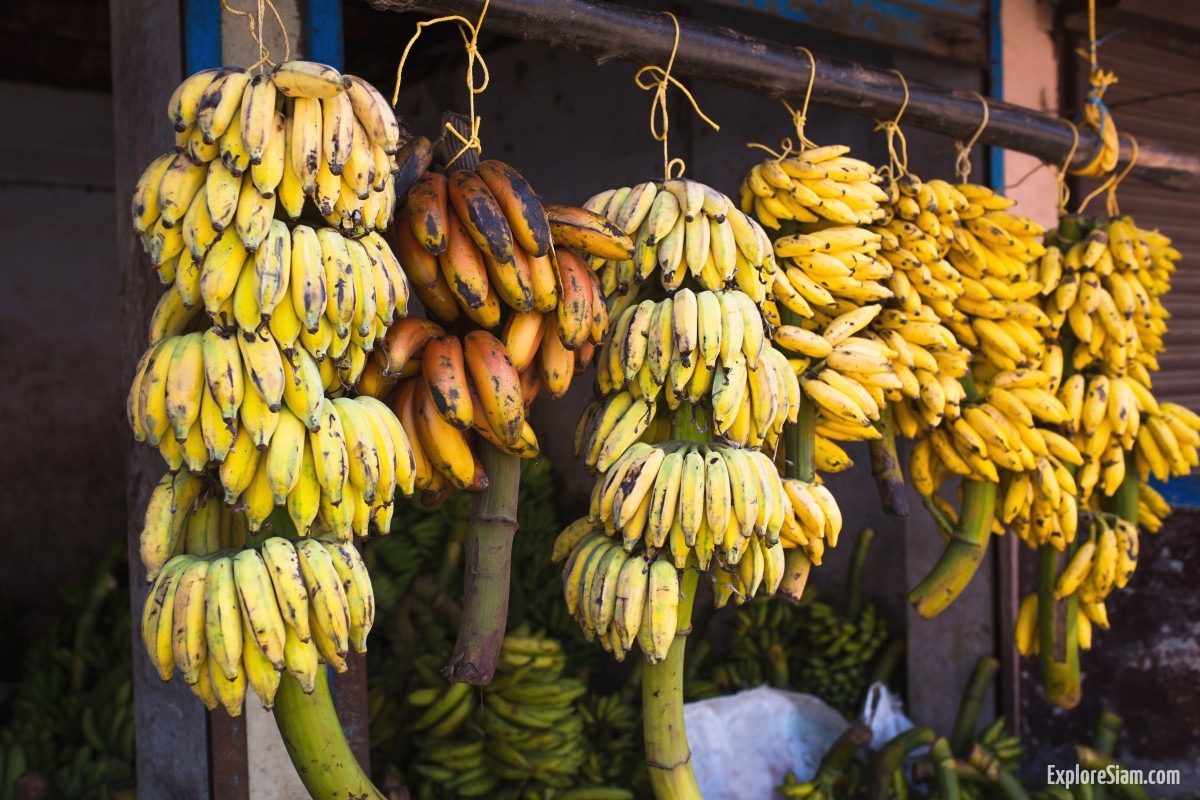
[183, 752]
[172, 731]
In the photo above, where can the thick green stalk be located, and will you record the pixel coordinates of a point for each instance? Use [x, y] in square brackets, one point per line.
[972, 700]
[842, 752]
[943, 765]
[854, 575]
[885, 466]
[1125, 500]
[1058, 633]
[668, 757]
[1090, 759]
[962, 556]
[891, 758]
[316, 744]
[486, 570]
[800, 439]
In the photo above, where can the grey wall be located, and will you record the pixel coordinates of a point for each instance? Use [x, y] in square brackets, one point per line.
[62, 494]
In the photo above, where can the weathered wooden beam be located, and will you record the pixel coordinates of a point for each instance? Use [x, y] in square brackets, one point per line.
[606, 32]
[147, 64]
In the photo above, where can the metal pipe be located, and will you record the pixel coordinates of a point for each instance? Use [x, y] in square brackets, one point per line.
[607, 31]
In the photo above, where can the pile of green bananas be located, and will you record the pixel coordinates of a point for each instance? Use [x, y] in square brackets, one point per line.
[524, 738]
[807, 647]
[71, 716]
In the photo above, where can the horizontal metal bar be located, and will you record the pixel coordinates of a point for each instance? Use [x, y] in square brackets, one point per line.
[607, 32]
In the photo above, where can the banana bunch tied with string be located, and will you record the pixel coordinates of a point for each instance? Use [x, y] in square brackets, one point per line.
[230, 619]
[1104, 282]
[246, 144]
[207, 213]
[683, 349]
[685, 229]
[524, 737]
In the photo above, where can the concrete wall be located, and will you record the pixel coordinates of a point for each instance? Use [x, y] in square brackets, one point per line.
[62, 500]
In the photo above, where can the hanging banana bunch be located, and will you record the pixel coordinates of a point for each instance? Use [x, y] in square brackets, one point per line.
[267, 219]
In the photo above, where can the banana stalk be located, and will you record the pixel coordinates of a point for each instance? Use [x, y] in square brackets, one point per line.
[972, 700]
[1104, 740]
[486, 570]
[854, 582]
[800, 440]
[316, 744]
[943, 765]
[885, 466]
[1058, 632]
[668, 757]
[842, 752]
[1090, 758]
[962, 556]
[1125, 500]
[891, 758]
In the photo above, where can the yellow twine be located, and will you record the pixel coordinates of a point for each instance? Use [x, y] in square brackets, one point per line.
[1111, 184]
[1094, 113]
[256, 32]
[1111, 201]
[1060, 179]
[1064, 191]
[471, 44]
[659, 105]
[799, 118]
[962, 162]
[897, 159]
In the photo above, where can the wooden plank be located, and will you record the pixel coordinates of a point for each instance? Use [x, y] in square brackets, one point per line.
[607, 31]
[951, 29]
[350, 697]
[228, 753]
[172, 729]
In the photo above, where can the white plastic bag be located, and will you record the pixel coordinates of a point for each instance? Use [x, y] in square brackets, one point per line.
[743, 745]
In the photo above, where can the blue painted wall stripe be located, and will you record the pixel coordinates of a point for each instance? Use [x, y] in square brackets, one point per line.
[201, 35]
[323, 32]
[1182, 492]
[996, 79]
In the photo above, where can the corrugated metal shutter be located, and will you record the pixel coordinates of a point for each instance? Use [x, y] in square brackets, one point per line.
[1158, 97]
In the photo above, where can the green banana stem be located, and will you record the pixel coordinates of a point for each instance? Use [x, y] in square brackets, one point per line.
[1010, 787]
[842, 752]
[972, 700]
[1104, 740]
[885, 466]
[486, 570]
[668, 757]
[854, 576]
[800, 442]
[1125, 500]
[1058, 634]
[1091, 759]
[943, 765]
[891, 758]
[103, 584]
[888, 660]
[1108, 727]
[316, 744]
[962, 556]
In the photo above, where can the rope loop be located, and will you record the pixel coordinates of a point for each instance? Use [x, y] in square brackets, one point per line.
[660, 121]
[962, 161]
[474, 58]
